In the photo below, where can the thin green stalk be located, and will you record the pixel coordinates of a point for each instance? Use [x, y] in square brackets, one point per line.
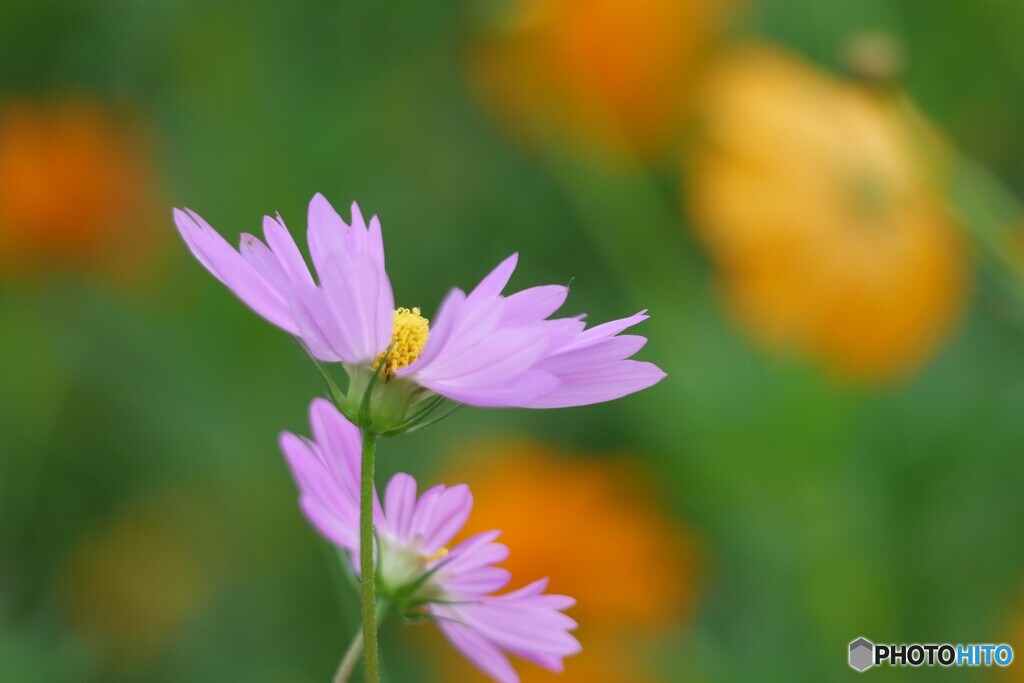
[348, 662]
[989, 212]
[635, 226]
[368, 585]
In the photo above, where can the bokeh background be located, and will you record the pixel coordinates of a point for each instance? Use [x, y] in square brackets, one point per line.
[815, 200]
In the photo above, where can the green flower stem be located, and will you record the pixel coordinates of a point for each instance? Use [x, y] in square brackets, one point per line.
[367, 540]
[632, 222]
[348, 662]
[990, 212]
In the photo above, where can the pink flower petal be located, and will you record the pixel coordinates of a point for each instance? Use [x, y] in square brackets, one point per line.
[319, 329]
[234, 271]
[492, 285]
[480, 581]
[534, 304]
[358, 294]
[518, 391]
[263, 260]
[288, 256]
[595, 385]
[480, 651]
[325, 231]
[399, 505]
[450, 515]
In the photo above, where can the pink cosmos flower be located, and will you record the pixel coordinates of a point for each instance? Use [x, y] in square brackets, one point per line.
[483, 348]
[415, 571]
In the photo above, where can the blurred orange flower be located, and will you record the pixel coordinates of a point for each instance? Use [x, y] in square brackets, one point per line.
[630, 566]
[76, 188]
[616, 74]
[131, 584]
[821, 203]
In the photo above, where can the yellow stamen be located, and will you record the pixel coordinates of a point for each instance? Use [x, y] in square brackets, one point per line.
[407, 341]
[436, 556]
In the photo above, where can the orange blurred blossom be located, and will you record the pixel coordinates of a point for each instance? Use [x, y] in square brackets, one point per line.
[821, 202]
[76, 188]
[631, 568]
[613, 74]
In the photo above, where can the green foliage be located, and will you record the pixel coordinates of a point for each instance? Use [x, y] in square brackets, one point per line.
[827, 512]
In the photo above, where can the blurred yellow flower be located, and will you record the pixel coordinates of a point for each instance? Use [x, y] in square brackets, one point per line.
[76, 187]
[131, 584]
[821, 203]
[630, 566]
[605, 72]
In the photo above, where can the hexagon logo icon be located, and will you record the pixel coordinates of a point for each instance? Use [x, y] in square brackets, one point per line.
[862, 654]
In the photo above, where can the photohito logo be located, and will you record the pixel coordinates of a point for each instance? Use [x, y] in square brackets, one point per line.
[864, 654]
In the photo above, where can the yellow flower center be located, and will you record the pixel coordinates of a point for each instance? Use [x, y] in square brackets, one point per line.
[436, 556]
[407, 341]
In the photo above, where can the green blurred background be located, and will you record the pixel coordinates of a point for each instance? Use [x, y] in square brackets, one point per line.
[148, 525]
